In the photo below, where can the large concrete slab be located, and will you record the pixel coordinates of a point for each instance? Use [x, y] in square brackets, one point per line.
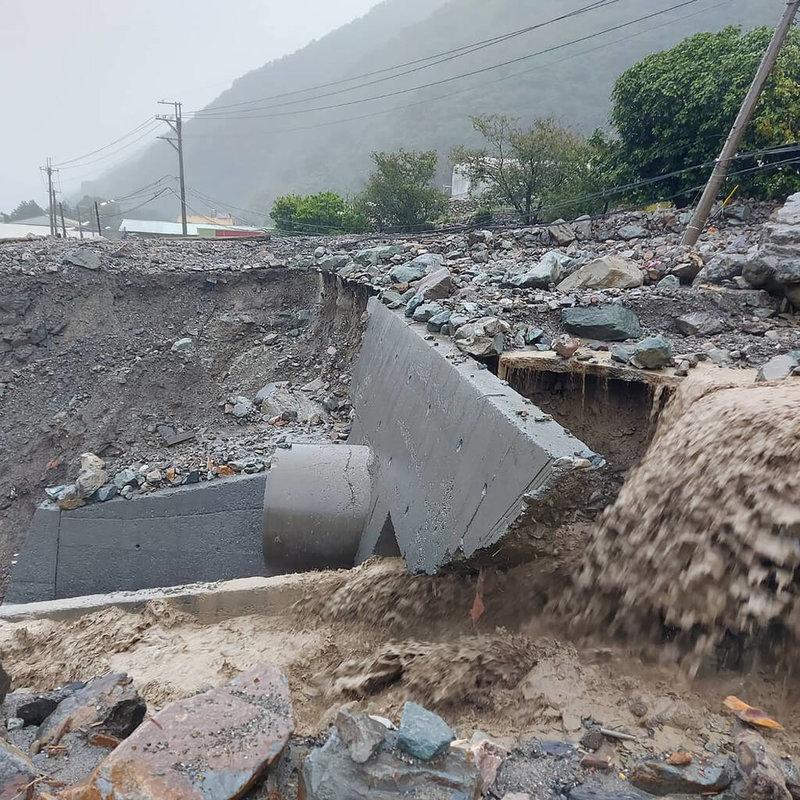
[207, 532]
[460, 458]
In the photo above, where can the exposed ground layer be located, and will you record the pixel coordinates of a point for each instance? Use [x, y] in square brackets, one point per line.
[704, 535]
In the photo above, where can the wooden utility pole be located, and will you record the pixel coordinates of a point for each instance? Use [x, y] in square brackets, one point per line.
[97, 217]
[80, 221]
[52, 211]
[63, 225]
[731, 147]
[176, 124]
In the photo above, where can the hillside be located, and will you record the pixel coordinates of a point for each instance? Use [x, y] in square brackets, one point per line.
[245, 153]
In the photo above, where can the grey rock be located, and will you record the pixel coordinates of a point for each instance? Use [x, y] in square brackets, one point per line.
[547, 271]
[668, 284]
[280, 400]
[483, 338]
[125, 477]
[242, 408]
[329, 773]
[719, 357]
[425, 311]
[413, 304]
[622, 353]
[436, 322]
[422, 733]
[762, 774]
[16, 772]
[612, 323]
[91, 476]
[333, 263]
[106, 493]
[83, 257]
[609, 272]
[583, 227]
[654, 352]
[562, 233]
[185, 345]
[532, 335]
[5, 683]
[362, 735]
[267, 390]
[699, 323]
[375, 254]
[628, 232]
[660, 778]
[436, 285]
[610, 789]
[724, 267]
[778, 368]
[35, 711]
[15, 724]
[391, 299]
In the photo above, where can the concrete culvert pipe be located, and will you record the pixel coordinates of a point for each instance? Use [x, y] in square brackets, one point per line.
[315, 506]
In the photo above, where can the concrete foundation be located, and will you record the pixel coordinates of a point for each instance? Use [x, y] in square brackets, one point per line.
[315, 506]
[202, 533]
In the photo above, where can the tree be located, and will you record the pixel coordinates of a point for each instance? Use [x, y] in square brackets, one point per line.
[542, 172]
[399, 195]
[323, 213]
[27, 209]
[674, 109]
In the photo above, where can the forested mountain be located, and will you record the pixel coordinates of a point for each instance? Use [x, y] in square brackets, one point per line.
[244, 153]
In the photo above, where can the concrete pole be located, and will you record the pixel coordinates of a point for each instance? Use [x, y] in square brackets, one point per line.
[731, 147]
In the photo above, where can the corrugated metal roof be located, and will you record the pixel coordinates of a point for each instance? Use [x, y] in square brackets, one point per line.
[16, 230]
[161, 228]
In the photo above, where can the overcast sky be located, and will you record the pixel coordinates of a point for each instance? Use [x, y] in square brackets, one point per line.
[76, 76]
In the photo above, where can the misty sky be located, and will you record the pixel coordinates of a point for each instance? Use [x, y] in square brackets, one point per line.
[76, 76]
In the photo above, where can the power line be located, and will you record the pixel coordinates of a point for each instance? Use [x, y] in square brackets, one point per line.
[416, 66]
[114, 153]
[110, 144]
[472, 73]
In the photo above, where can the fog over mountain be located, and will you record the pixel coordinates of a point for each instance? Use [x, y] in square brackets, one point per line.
[266, 136]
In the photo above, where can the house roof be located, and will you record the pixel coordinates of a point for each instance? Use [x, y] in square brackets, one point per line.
[44, 222]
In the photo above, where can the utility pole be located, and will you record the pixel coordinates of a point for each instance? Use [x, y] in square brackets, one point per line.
[80, 221]
[731, 147]
[97, 217]
[176, 124]
[63, 225]
[52, 211]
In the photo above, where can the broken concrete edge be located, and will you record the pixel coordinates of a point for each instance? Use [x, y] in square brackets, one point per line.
[185, 535]
[459, 455]
[208, 602]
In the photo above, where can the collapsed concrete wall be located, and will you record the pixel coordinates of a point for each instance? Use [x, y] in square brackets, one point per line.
[203, 533]
[460, 459]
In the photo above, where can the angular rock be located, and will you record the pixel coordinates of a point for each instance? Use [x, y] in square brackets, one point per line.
[92, 474]
[333, 263]
[36, 711]
[668, 284]
[416, 269]
[16, 772]
[424, 311]
[109, 704]
[566, 346]
[562, 233]
[422, 733]
[361, 734]
[612, 323]
[391, 299]
[655, 352]
[437, 285]
[106, 493]
[125, 477]
[699, 323]
[724, 267]
[762, 775]
[547, 271]
[608, 790]
[375, 254]
[83, 257]
[213, 746]
[628, 232]
[778, 368]
[483, 338]
[277, 399]
[330, 774]
[413, 304]
[609, 272]
[659, 778]
[436, 322]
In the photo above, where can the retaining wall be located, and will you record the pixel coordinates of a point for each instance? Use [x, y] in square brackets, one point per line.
[208, 532]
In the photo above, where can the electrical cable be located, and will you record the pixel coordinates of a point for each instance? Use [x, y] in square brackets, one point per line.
[147, 133]
[442, 81]
[442, 58]
[110, 144]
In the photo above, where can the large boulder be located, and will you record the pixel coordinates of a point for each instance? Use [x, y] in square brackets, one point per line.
[609, 272]
[416, 269]
[278, 400]
[437, 285]
[778, 368]
[654, 352]
[659, 778]
[373, 255]
[422, 733]
[699, 323]
[611, 323]
[213, 746]
[541, 275]
[762, 774]
[83, 257]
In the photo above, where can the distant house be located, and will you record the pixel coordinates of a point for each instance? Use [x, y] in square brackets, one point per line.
[40, 226]
[219, 220]
[159, 228]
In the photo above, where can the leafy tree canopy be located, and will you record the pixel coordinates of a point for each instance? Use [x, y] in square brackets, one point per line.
[27, 209]
[542, 171]
[399, 194]
[674, 109]
[323, 213]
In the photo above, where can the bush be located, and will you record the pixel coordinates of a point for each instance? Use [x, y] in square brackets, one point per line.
[323, 213]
